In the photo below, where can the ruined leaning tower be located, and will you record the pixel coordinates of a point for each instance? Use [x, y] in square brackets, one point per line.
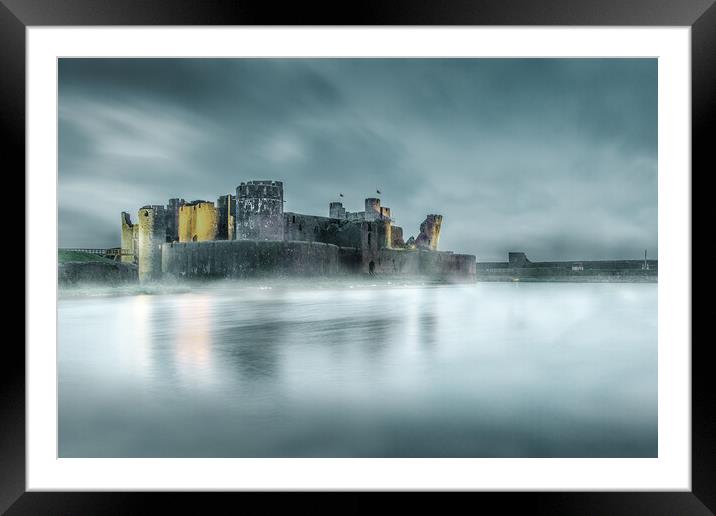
[430, 232]
[151, 235]
[259, 213]
[129, 239]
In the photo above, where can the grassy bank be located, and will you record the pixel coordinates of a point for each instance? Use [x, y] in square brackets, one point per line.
[78, 256]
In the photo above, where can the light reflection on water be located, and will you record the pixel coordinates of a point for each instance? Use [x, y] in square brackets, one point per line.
[486, 370]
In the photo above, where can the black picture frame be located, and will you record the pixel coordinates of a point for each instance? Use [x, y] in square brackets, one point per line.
[17, 15]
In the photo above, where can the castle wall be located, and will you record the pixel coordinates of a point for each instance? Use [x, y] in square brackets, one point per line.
[393, 262]
[351, 259]
[343, 233]
[151, 235]
[252, 258]
[447, 264]
[197, 222]
[311, 228]
[260, 211]
[416, 262]
[356, 216]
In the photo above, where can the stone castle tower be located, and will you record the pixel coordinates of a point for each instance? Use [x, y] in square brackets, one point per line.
[129, 239]
[197, 222]
[152, 233]
[375, 236]
[336, 210]
[259, 210]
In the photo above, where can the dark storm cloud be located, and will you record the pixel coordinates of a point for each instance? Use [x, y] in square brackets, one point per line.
[556, 157]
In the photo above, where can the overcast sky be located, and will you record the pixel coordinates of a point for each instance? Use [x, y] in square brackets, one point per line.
[554, 157]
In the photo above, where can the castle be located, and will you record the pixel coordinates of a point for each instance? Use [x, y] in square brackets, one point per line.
[249, 234]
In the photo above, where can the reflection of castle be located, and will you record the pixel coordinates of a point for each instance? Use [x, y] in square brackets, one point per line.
[250, 233]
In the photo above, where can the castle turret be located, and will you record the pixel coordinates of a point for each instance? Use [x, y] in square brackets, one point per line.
[372, 208]
[260, 210]
[429, 233]
[150, 237]
[336, 210]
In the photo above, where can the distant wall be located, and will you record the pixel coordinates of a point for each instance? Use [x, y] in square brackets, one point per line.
[519, 266]
[564, 274]
[586, 265]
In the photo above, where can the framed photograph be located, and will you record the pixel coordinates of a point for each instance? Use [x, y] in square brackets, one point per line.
[421, 248]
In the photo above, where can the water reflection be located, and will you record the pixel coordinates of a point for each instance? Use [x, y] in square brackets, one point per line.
[480, 370]
[192, 328]
[253, 349]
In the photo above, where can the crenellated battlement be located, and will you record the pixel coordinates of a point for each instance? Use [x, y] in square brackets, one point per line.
[263, 189]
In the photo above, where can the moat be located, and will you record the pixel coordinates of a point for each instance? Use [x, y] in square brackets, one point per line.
[362, 369]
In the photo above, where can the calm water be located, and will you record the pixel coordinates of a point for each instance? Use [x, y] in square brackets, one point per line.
[237, 370]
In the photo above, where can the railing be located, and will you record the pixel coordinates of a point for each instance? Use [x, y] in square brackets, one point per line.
[113, 252]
